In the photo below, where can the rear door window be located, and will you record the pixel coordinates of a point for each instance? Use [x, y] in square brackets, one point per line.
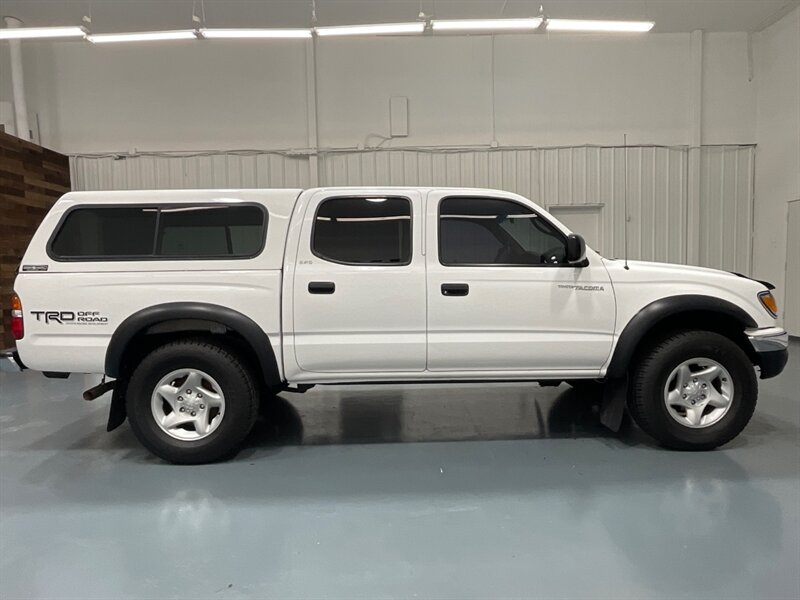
[363, 231]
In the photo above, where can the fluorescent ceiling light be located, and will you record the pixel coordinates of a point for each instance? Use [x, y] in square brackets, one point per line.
[26, 33]
[608, 26]
[254, 33]
[380, 29]
[143, 36]
[487, 24]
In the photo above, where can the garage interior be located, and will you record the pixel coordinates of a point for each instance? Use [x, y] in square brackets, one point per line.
[679, 144]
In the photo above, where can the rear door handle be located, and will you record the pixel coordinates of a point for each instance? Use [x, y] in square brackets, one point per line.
[321, 287]
[455, 289]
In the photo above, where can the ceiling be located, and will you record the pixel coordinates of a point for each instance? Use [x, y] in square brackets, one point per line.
[133, 15]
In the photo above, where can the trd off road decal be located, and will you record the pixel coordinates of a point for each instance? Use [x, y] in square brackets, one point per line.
[582, 288]
[69, 317]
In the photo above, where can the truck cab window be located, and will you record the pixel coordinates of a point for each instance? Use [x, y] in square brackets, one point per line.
[491, 232]
[363, 231]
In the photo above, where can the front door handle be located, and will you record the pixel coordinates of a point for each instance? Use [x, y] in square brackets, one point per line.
[321, 287]
[455, 289]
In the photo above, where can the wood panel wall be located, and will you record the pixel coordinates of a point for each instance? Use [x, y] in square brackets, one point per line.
[32, 178]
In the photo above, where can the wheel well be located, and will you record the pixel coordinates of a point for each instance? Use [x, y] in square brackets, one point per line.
[683, 312]
[150, 338]
[697, 320]
[153, 326]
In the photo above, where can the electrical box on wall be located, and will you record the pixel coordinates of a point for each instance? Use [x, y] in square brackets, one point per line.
[398, 116]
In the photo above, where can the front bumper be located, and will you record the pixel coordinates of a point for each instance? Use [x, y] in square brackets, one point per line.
[10, 361]
[771, 345]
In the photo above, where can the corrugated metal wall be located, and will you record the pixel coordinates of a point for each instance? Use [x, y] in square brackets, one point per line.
[590, 176]
[727, 178]
[203, 170]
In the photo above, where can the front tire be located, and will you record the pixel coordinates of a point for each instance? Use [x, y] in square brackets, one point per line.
[191, 402]
[693, 390]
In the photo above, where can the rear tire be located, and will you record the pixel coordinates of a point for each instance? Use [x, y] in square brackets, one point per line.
[693, 390]
[212, 389]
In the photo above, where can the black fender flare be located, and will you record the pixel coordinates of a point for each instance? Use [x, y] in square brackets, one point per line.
[649, 316]
[616, 391]
[233, 320]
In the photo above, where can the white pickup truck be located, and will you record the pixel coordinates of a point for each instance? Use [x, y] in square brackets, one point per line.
[199, 304]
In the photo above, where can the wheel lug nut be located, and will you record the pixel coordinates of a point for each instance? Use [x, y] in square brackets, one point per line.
[182, 409]
[693, 402]
[193, 413]
[704, 386]
[703, 397]
[202, 406]
[180, 398]
[199, 395]
[189, 392]
[695, 379]
[684, 396]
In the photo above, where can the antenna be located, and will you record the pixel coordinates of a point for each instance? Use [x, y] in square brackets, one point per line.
[625, 199]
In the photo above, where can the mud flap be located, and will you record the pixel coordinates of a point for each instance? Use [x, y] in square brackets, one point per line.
[117, 413]
[612, 410]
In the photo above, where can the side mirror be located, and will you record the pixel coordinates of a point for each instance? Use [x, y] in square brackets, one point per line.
[576, 249]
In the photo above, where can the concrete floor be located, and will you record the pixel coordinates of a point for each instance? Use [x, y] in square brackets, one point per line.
[398, 492]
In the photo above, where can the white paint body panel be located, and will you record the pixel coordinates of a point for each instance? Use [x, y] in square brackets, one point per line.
[646, 282]
[117, 289]
[383, 323]
[516, 318]
[375, 319]
[117, 295]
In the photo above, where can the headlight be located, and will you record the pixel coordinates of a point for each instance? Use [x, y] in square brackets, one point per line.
[768, 302]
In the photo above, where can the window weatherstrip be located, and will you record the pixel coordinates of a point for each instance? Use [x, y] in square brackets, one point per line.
[440, 216]
[409, 217]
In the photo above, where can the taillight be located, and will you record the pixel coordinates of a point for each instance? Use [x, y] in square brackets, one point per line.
[17, 326]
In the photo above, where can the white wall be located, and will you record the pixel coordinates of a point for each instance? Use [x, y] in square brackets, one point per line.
[547, 90]
[729, 97]
[562, 91]
[182, 96]
[777, 73]
[447, 82]
[37, 83]
[557, 90]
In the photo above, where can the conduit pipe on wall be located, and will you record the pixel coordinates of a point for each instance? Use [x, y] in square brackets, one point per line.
[18, 83]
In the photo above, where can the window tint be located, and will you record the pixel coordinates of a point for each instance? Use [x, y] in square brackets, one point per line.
[160, 232]
[363, 231]
[204, 231]
[484, 231]
[106, 232]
